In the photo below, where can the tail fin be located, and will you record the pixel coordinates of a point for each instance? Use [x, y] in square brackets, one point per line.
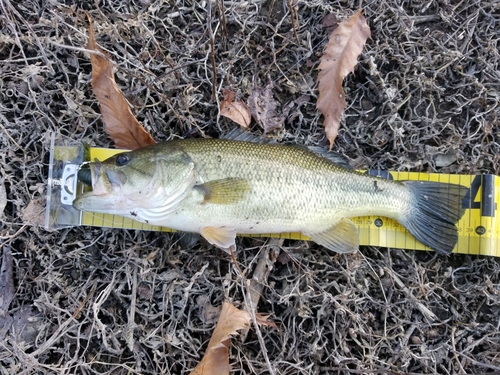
[437, 208]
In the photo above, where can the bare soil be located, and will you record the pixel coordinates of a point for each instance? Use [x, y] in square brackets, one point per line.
[424, 97]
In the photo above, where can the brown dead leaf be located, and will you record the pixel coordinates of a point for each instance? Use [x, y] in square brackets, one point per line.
[263, 108]
[329, 21]
[339, 59]
[263, 320]
[33, 213]
[235, 110]
[120, 123]
[216, 358]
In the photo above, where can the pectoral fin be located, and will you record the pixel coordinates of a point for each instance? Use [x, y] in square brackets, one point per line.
[223, 238]
[343, 237]
[225, 191]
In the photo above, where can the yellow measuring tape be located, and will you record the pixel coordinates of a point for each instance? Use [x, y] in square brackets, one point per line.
[478, 230]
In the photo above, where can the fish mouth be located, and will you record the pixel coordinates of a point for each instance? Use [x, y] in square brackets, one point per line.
[103, 180]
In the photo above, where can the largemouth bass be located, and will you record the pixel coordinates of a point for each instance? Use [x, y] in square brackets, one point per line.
[219, 187]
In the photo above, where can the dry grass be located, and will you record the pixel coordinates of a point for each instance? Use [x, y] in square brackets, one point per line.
[425, 97]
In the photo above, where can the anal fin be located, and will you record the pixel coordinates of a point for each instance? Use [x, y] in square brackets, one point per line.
[222, 237]
[343, 237]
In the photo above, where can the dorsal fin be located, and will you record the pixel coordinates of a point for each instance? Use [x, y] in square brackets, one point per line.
[238, 134]
[334, 157]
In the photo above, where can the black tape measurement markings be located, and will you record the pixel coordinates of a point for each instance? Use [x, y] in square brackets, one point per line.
[486, 203]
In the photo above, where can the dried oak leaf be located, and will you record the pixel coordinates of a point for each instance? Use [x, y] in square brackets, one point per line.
[263, 108]
[216, 358]
[263, 321]
[120, 123]
[235, 110]
[339, 59]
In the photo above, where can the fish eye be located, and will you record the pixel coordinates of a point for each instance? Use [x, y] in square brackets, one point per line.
[122, 159]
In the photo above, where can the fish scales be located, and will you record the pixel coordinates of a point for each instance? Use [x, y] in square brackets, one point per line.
[222, 187]
[289, 185]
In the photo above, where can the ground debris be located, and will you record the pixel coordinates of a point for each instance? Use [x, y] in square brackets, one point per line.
[263, 108]
[424, 97]
[3, 197]
[6, 291]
